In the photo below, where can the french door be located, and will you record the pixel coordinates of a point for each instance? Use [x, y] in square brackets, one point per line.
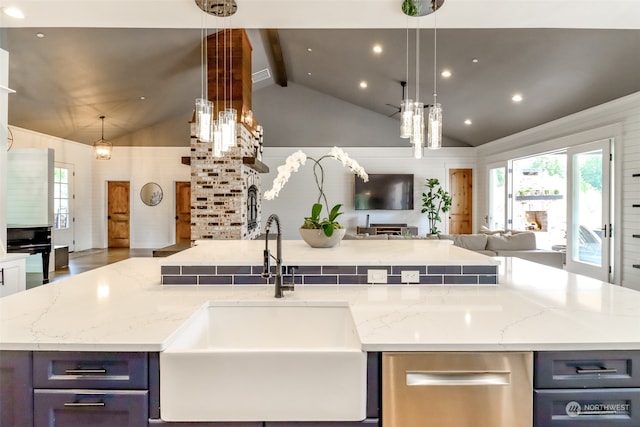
[497, 208]
[589, 228]
[63, 205]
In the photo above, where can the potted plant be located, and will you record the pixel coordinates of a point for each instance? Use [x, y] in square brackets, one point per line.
[434, 202]
[315, 230]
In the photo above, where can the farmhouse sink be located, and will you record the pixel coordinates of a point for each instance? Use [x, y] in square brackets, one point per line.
[265, 362]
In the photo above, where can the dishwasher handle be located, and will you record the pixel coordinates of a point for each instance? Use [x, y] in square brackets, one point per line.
[458, 378]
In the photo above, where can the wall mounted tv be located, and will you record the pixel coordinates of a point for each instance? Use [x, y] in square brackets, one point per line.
[384, 191]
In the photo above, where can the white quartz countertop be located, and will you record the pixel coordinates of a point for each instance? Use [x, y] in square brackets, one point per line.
[348, 252]
[123, 307]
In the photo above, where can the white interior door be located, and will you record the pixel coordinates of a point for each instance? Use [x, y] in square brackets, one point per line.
[589, 232]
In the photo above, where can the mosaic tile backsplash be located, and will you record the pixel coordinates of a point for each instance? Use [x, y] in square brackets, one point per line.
[328, 275]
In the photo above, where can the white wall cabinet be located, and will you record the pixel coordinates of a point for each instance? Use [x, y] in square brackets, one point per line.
[13, 277]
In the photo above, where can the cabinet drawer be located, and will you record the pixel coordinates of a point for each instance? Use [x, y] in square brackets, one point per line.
[90, 370]
[82, 408]
[588, 369]
[587, 408]
[368, 422]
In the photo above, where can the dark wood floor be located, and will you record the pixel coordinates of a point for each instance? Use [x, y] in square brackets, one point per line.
[88, 260]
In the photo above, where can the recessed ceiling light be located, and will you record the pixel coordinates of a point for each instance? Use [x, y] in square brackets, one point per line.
[309, 49]
[363, 84]
[14, 12]
[468, 122]
[446, 74]
[40, 35]
[309, 73]
[517, 98]
[377, 49]
[475, 60]
[142, 98]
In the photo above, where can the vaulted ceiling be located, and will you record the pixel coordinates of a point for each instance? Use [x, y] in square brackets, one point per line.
[102, 57]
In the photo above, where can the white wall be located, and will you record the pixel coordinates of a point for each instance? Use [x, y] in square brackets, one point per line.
[298, 195]
[78, 155]
[151, 226]
[4, 100]
[620, 120]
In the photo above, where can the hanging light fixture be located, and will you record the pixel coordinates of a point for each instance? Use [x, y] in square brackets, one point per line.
[102, 148]
[417, 129]
[406, 106]
[434, 121]
[413, 112]
[221, 132]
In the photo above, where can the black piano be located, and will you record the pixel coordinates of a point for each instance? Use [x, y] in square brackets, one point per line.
[31, 239]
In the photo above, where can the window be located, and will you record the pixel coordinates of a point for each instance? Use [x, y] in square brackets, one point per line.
[61, 198]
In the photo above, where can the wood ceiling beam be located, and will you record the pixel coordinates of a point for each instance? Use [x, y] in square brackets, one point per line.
[280, 71]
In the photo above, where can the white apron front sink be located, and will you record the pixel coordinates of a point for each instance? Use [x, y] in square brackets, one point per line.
[265, 361]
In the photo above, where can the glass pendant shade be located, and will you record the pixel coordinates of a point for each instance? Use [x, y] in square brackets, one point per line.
[217, 139]
[227, 120]
[406, 118]
[204, 116]
[232, 115]
[434, 133]
[417, 129]
[102, 149]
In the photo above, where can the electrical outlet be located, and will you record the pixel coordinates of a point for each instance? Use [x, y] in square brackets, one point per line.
[410, 276]
[377, 276]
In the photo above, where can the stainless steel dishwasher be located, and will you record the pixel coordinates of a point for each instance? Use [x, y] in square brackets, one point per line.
[459, 389]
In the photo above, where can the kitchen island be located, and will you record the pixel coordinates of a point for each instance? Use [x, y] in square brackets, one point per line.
[124, 307]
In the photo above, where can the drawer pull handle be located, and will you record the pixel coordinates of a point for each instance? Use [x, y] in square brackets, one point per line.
[591, 371]
[84, 404]
[2, 276]
[80, 371]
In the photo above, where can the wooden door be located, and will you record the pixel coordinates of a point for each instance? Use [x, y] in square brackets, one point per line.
[183, 211]
[118, 214]
[460, 215]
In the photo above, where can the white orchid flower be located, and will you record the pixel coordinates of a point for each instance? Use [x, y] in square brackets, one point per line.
[297, 159]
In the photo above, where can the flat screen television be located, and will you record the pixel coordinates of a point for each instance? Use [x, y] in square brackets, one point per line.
[384, 191]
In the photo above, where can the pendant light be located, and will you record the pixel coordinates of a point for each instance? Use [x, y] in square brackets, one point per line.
[434, 121]
[222, 132]
[415, 113]
[406, 106]
[417, 128]
[102, 148]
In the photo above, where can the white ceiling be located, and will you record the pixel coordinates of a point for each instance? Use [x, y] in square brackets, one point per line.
[623, 14]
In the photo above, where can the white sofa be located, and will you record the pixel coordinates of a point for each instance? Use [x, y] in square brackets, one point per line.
[518, 244]
[521, 244]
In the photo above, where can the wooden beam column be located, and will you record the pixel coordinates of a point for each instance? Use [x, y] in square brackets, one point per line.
[229, 70]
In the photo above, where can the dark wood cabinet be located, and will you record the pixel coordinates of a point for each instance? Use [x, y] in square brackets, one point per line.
[90, 389]
[16, 392]
[82, 408]
[586, 388]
